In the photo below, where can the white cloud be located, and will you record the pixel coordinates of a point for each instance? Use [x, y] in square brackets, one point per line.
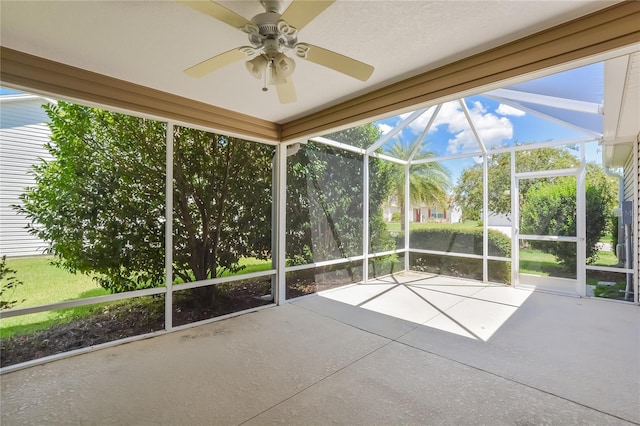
[509, 110]
[384, 128]
[492, 129]
[418, 125]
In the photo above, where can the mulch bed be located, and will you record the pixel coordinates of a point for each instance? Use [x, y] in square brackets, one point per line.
[122, 319]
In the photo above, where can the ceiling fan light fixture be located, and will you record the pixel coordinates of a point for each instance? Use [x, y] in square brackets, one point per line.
[257, 66]
[282, 67]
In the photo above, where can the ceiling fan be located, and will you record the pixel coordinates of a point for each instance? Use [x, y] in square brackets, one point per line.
[271, 34]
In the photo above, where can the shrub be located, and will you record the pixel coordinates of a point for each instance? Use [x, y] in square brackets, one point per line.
[460, 240]
[396, 217]
[551, 210]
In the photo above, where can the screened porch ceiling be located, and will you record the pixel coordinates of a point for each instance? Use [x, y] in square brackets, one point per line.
[150, 44]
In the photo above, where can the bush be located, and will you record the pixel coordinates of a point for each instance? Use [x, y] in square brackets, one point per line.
[551, 210]
[396, 217]
[460, 240]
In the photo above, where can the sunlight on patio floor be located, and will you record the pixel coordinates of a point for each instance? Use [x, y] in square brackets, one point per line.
[464, 307]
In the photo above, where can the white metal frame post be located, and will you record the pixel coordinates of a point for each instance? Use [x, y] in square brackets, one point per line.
[485, 217]
[515, 224]
[168, 229]
[581, 230]
[281, 214]
[407, 208]
[365, 218]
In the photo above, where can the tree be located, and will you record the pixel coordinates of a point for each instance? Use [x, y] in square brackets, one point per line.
[325, 199]
[551, 210]
[101, 200]
[468, 191]
[428, 182]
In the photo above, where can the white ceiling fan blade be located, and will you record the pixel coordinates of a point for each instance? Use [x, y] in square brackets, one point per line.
[335, 61]
[301, 12]
[286, 92]
[217, 11]
[212, 64]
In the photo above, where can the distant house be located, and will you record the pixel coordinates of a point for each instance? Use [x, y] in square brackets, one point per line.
[23, 133]
[423, 213]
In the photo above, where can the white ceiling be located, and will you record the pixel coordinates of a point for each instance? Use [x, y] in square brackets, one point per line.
[151, 42]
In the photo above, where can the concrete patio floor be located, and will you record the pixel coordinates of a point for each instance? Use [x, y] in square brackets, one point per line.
[409, 349]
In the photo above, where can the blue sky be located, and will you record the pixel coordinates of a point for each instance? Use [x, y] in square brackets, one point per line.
[499, 124]
[5, 91]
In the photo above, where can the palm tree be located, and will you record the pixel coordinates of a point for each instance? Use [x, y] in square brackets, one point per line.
[429, 183]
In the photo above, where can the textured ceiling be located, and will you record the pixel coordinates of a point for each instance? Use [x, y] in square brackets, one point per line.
[151, 42]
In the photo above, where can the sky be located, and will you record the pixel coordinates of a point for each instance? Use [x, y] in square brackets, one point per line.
[500, 124]
[5, 91]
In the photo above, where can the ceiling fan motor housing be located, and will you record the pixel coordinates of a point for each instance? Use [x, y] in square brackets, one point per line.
[269, 26]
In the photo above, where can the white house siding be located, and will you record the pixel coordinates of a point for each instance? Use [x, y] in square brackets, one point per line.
[629, 175]
[631, 182]
[23, 133]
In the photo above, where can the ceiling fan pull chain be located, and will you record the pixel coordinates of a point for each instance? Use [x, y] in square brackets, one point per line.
[264, 87]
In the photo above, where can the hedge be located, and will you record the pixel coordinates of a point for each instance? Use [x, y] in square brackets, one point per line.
[464, 241]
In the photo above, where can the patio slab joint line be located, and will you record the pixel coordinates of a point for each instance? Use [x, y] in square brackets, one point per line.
[517, 382]
[396, 340]
[319, 381]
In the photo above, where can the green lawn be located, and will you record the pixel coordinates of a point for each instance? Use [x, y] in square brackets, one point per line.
[540, 263]
[537, 262]
[251, 264]
[45, 284]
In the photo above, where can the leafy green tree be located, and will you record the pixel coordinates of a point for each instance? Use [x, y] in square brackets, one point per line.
[325, 199]
[429, 183]
[551, 210]
[468, 191]
[101, 200]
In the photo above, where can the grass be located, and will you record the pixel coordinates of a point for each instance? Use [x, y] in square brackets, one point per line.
[606, 258]
[537, 262]
[251, 264]
[43, 283]
[607, 239]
